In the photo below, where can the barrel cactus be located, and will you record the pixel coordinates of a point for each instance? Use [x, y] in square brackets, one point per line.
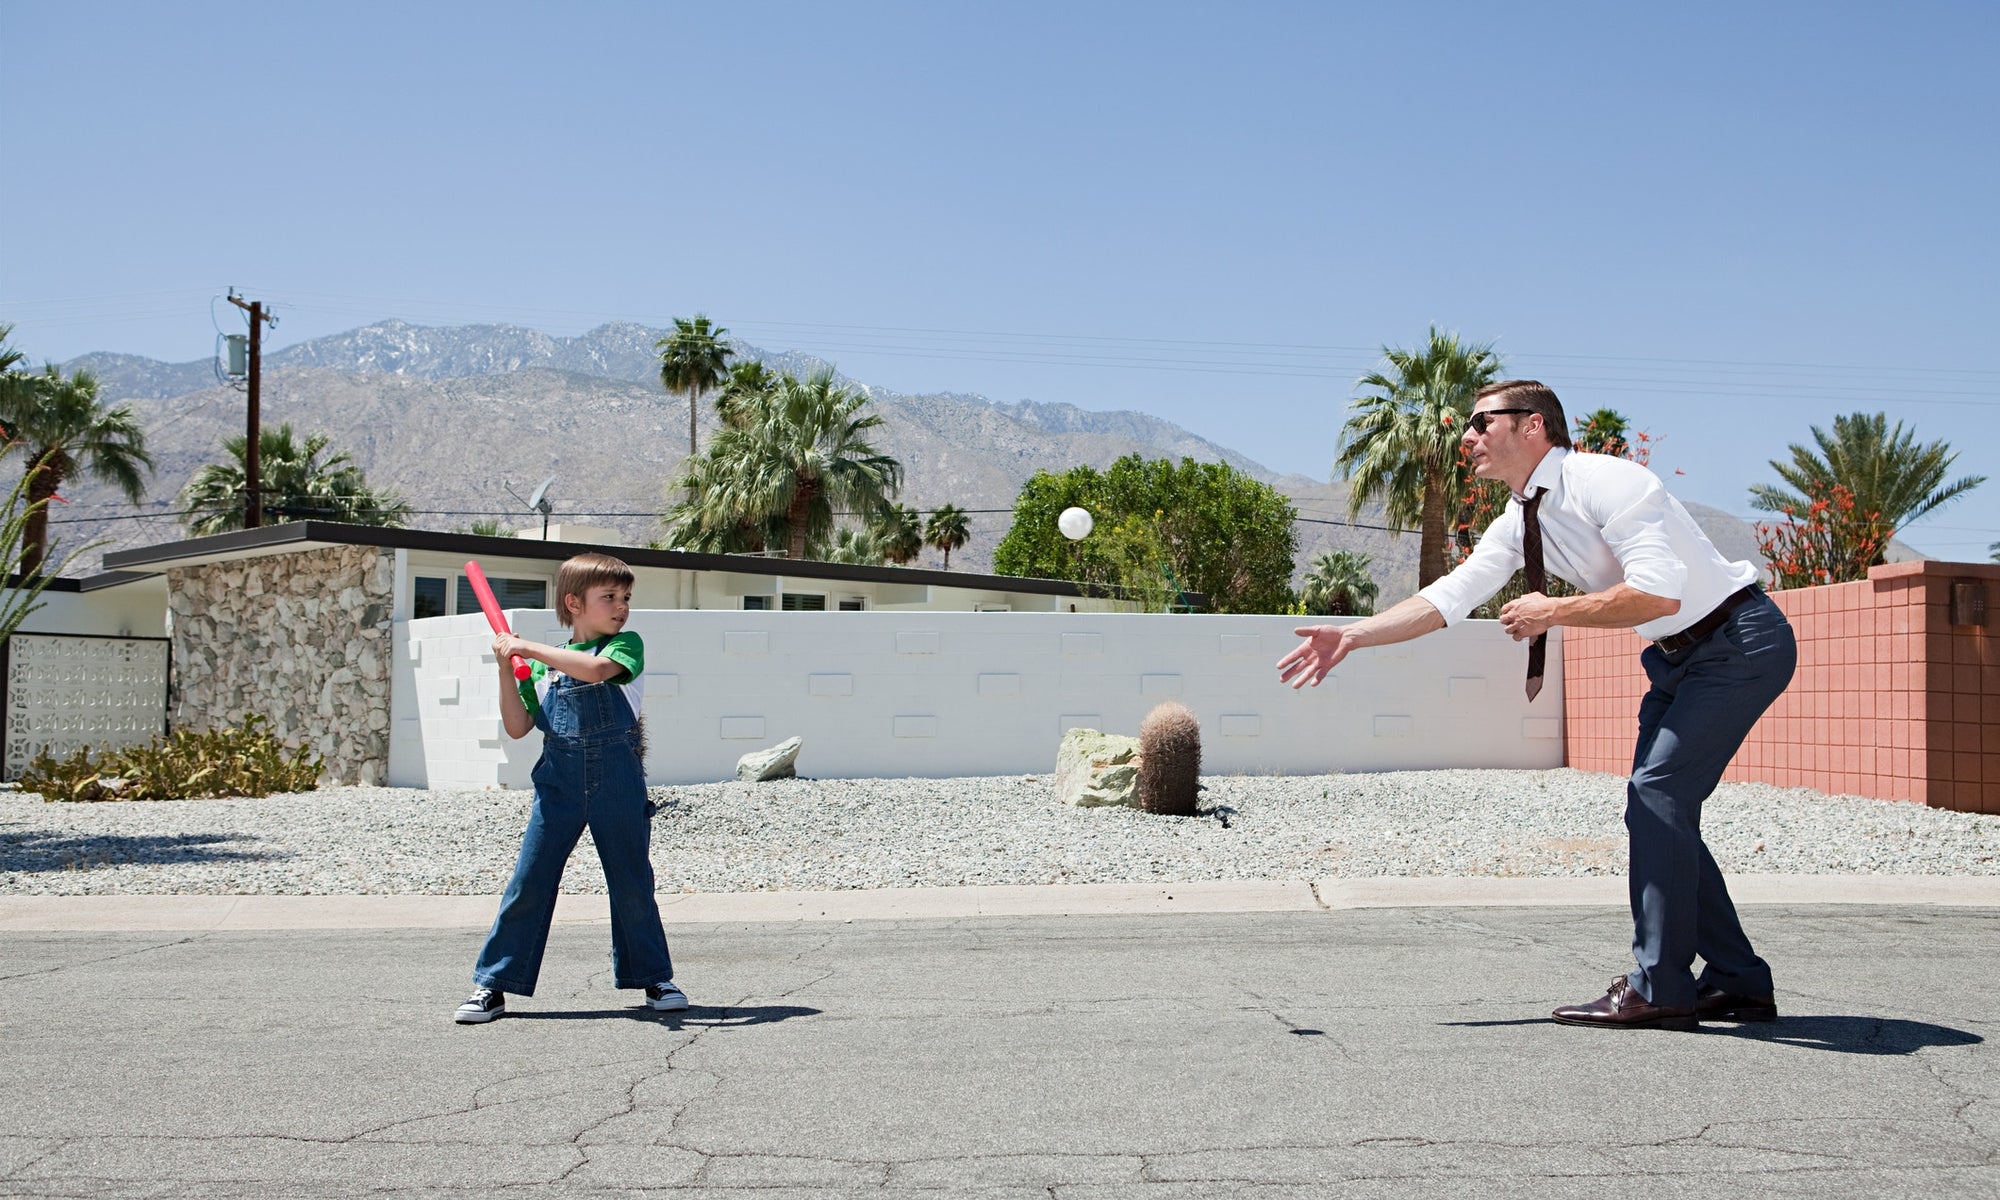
[1169, 760]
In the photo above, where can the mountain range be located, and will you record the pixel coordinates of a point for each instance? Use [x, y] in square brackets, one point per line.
[462, 421]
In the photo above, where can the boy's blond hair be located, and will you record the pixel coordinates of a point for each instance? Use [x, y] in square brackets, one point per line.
[584, 572]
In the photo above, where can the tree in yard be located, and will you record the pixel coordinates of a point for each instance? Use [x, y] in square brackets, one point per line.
[1602, 432]
[1191, 527]
[947, 530]
[802, 454]
[298, 484]
[692, 361]
[1888, 476]
[1338, 585]
[858, 547]
[747, 380]
[20, 590]
[1994, 550]
[63, 430]
[1401, 445]
[900, 533]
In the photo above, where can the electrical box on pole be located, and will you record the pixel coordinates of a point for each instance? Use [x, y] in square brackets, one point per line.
[238, 361]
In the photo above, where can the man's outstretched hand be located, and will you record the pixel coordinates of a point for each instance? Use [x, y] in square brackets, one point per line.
[1322, 650]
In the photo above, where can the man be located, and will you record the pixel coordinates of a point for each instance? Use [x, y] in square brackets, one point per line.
[1721, 653]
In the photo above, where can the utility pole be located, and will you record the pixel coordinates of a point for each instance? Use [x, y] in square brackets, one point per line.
[253, 484]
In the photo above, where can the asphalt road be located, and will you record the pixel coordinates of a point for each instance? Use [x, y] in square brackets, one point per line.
[1391, 1052]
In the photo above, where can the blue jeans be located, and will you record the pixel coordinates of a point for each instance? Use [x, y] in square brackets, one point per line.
[589, 774]
[1701, 706]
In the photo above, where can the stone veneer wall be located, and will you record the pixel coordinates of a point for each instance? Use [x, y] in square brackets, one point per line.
[301, 639]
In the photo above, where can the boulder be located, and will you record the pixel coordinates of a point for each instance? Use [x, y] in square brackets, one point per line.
[1094, 769]
[775, 763]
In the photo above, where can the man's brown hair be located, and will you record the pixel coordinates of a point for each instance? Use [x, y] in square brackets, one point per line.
[584, 572]
[1534, 396]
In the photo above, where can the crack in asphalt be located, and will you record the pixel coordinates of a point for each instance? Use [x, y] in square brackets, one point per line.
[190, 940]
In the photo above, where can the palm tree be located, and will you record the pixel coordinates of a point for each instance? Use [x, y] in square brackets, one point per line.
[1889, 475]
[1402, 443]
[858, 547]
[64, 430]
[1602, 432]
[746, 381]
[1338, 585]
[901, 534]
[947, 531]
[8, 355]
[692, 361]
[298, 484]
[801, 453]
[712, 516]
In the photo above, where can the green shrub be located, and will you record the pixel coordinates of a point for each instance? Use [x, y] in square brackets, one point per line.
[183, 765]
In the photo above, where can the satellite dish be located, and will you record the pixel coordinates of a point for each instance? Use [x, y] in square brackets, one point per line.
[539, 502]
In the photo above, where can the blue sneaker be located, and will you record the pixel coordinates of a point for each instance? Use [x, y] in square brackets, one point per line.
[483, 1005]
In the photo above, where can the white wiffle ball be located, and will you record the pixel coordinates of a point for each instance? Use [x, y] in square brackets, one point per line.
[1075, 523]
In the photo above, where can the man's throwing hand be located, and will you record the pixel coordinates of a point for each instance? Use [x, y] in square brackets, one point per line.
[1532, 614]
[1322, 650]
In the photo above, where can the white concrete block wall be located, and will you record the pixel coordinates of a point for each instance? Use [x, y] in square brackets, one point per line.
[939, 694]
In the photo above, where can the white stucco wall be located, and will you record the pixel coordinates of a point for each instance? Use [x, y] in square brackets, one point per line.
[135, 609]
[938, 694]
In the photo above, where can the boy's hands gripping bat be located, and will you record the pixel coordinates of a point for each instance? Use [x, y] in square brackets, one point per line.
[491, 607]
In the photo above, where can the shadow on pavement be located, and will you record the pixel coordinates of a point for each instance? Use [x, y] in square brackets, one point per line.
[700, 1016]
[1851, 1035]
[33, 852]
[1847, 1035]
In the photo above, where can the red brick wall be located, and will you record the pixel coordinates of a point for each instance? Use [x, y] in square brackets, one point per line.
[1891, 700]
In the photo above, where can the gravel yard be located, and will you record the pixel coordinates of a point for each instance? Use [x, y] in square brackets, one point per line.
[866, 833]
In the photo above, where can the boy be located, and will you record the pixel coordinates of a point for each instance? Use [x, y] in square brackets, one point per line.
[584, 697]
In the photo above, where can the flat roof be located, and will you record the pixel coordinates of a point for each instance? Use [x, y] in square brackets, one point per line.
[293, 536]
[86, 583]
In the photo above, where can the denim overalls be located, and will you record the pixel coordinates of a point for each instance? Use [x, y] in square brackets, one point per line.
[590, 773]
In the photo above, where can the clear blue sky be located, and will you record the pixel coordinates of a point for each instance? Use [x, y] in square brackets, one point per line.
[1727, 221]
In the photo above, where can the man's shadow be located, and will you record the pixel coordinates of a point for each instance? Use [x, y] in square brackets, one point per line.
[1850, 1035]
[1842, 1034]
[694, 1016]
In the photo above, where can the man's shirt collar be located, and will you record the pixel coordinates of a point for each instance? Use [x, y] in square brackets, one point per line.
[1548, 472]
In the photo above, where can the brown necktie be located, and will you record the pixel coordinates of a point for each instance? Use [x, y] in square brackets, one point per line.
[1538, 581]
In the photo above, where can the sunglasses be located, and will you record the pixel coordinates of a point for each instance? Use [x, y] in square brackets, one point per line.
[1480, 420]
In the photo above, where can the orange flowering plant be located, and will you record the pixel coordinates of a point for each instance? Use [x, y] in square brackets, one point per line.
[1831, 539]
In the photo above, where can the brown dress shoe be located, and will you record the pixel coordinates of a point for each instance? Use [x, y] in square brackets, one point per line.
[1623, 1008]
[1713, 1004]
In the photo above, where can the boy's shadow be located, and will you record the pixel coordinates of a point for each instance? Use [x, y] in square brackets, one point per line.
[697, 1016]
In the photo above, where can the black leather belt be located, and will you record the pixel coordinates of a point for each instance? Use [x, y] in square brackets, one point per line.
[1674, 643]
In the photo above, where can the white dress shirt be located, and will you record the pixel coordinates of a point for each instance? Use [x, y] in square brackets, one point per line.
[1604, 521]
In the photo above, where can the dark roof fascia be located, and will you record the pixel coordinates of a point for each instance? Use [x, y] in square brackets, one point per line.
[301, 535]
[85, 583]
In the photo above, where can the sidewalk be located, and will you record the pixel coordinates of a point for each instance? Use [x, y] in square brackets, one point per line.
[202, 913]
[1309, 1043]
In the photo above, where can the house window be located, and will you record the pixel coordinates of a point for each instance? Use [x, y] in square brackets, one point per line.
[992, 608]
[432, 596]
[804, 602]
[853, 604]
[511, 593]
[756, 603]
[429, 600]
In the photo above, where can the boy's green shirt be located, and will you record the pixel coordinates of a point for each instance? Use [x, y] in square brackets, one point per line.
[627, 649]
